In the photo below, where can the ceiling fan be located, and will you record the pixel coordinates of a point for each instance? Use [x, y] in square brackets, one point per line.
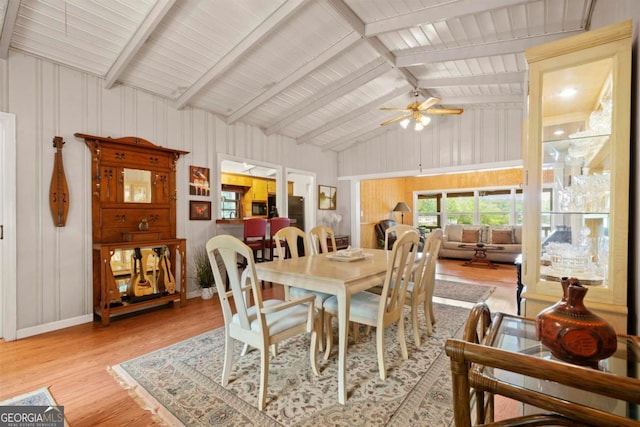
[418, 110]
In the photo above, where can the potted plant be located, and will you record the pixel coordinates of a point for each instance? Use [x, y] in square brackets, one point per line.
[202, 272]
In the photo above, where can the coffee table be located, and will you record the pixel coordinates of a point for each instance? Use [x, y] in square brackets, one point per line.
[480, 253]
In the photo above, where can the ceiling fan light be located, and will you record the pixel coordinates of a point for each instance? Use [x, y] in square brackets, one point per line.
[419, 126]
[425, 120]
[404, 123]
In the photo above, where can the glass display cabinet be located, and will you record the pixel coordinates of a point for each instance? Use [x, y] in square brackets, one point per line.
[577, 171]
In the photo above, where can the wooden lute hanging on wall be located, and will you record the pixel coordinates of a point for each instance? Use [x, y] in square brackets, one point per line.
[59, 191]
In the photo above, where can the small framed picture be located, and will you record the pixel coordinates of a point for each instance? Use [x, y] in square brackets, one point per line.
[199, 181]
[199, 210]
[327, 197]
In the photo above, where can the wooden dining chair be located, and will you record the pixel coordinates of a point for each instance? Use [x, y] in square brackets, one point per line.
[255, 232]
[420, 289]
[435, 244]
[319, 236]
[276, 224]
[382, 310]
[290, 236]
[262, 323]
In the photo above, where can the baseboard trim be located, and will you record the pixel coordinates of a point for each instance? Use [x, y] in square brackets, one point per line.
[53, 326]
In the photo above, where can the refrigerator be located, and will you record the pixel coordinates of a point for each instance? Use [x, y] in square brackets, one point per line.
[296, 211]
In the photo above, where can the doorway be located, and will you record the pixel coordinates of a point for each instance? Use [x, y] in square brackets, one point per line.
[8, 298]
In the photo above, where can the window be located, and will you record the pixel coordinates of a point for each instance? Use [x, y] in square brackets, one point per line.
[429, 206]
[500, 206]
[231, 206]
[460, 208]
[494, 207]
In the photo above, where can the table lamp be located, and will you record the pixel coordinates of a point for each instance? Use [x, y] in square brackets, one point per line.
[402, 207]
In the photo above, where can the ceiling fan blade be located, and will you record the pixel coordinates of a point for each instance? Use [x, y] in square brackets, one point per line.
[393, 109]
[428, 103]
[445, 111]
[395, 119]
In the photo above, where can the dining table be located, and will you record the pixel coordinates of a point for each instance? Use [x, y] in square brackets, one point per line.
[334, 275]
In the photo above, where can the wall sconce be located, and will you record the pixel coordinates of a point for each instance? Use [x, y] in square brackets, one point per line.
[402, 207]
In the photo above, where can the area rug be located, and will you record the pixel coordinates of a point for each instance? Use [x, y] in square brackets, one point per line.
[462, 291]
[40, 397]
[181, 383]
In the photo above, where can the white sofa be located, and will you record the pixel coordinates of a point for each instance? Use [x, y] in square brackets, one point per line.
[509, 237]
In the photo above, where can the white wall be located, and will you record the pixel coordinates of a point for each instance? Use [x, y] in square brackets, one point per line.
[54, 274]
[481, 135]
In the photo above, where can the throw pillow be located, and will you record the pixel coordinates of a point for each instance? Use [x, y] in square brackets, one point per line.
[502, 237]
[470, 235]
[454, 232]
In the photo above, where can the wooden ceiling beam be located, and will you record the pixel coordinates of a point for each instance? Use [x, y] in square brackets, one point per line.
[339, 47]
[8, 24]
[411, 57]
[361, 135]
[377, 103]
[484, 79]
[148, 26]
[265, 28]
[436, 13]
[338, 89]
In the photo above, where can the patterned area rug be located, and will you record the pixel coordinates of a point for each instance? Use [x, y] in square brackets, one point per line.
[462, 291]
[181, 383]
[40, 397]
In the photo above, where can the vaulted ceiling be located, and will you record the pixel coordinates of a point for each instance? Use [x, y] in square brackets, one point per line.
[317, 71]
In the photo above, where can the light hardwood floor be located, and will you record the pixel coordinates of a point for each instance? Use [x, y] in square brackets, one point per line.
[73, 362]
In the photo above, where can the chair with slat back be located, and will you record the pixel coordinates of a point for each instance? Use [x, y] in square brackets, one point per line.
[380, 311]
[319, 236]
[420, 289]
[263, 324]
[435, 243]
[276, 224]
[291, 235]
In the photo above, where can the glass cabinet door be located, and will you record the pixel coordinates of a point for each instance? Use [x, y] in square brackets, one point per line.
[577, 171]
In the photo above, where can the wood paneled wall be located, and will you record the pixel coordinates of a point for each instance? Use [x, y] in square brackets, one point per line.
[379, 196]
[54, 264]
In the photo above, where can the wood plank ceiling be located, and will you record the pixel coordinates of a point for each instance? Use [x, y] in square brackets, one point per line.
[317, 71]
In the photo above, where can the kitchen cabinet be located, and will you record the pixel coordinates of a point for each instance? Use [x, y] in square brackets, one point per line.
[577, 171]
[271, 186]
[259, 189]
[237, 180]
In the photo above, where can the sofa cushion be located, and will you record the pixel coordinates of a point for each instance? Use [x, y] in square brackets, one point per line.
[454, 232]
[470, 235]
[517, 234]
[501, 236]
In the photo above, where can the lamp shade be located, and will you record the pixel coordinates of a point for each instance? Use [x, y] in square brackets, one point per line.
[402, 207]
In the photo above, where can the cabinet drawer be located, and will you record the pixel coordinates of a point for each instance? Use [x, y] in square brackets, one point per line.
[135, 159]
[128, 219]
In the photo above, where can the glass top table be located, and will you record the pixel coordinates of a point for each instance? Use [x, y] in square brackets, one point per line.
[501, 355]
[518, 334]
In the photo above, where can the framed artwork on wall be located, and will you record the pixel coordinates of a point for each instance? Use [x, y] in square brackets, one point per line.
[327, 197]
[199, 210]
[199, 181]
